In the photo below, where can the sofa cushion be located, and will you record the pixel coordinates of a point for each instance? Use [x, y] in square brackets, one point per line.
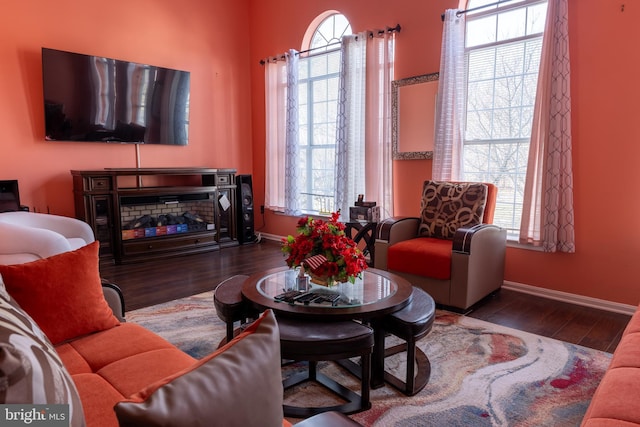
[240, 384]
[101, 349]
[615, 401]
[62, 287]
[447, 206]
[131, 374]
[110, 365]
[26, 357]
[98, 398]
[423, 256]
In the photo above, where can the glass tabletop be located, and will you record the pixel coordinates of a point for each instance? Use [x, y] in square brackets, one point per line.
[284, 286]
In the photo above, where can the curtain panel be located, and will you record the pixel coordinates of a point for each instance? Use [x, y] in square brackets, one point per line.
[275, 129]
[548, 217]
[378, 151]
[350, 138]
[282, 181]
[448, 144]
[292, 170]
[363, 153]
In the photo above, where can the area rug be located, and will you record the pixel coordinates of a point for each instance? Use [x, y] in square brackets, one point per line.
[482, 374]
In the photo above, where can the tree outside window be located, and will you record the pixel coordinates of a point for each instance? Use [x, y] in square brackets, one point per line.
[503, 45]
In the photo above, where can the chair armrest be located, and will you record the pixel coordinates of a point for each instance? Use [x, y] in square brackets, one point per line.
[477, 263]
[398, 228]
[32, 243]
[114, 297]
[66, 226]
[464, 236]
[390, 231]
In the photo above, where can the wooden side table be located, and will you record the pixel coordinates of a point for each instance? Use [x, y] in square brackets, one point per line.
[364, 231]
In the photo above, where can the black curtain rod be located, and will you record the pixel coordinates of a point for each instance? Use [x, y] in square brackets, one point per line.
[473, 9]
[397, 29]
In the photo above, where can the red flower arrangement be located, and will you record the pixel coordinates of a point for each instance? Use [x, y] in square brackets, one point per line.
[317, 237]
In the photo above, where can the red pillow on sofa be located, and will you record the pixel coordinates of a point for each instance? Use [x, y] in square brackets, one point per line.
[62, 293]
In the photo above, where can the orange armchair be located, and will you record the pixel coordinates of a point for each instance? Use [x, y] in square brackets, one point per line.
[452, 250]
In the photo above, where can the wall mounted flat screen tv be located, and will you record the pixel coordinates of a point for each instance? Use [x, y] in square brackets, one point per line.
[98, 99]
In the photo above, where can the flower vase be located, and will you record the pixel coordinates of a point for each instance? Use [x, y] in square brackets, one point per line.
[321, 280]
[325, 281]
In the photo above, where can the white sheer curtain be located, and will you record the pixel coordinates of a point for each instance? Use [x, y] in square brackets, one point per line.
[547, 217]
[363, 148]
[350, 139]
[281, 105]
[363, 145]
[378, 155]
[275, 82]
[449, 126]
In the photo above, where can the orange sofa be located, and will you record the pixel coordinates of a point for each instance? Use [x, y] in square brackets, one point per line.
[63, 342]
[615, 402]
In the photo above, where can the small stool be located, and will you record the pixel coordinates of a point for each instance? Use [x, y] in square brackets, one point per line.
[410, 324]
[313, 341]
[229, 304]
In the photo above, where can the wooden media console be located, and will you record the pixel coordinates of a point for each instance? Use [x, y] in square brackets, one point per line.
[146, 213]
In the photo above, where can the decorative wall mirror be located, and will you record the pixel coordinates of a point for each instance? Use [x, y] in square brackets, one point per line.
[413, 110]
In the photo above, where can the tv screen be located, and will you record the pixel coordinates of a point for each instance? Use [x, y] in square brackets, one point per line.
[97, 99]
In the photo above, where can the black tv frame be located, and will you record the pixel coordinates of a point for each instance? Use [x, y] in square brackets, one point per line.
[90, 98]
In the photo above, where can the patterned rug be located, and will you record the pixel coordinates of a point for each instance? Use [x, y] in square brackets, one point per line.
[482, 374]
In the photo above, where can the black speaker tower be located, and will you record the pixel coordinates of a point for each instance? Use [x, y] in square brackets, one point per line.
[244, 192]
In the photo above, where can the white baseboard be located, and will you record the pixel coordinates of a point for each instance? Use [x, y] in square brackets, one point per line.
[585, 301]
[273, 237]
[600, 304]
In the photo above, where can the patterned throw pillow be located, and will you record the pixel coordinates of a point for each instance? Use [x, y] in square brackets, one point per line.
[3, 290]
[30, 370]
[447, 206]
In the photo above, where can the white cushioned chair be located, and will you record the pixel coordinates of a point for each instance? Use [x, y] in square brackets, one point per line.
[29, 236]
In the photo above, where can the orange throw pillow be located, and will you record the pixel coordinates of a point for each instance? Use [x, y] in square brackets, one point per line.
[62, 293]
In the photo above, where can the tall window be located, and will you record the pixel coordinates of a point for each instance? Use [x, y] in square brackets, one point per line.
[503, 45]
[325, 108]
[318, 84]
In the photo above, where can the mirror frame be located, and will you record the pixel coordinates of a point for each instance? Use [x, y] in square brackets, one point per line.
[395, 118]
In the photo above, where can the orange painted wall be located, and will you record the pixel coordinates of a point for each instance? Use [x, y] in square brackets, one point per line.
[221, 42]
[605, 86]
[208, 38]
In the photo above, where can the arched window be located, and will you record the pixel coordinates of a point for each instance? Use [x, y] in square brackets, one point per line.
[318, 85]
[330, 31]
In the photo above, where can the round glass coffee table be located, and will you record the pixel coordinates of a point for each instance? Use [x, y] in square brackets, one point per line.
[373, 296]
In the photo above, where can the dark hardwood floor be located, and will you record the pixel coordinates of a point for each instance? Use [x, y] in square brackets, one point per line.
[585, 326]
[154, 282]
